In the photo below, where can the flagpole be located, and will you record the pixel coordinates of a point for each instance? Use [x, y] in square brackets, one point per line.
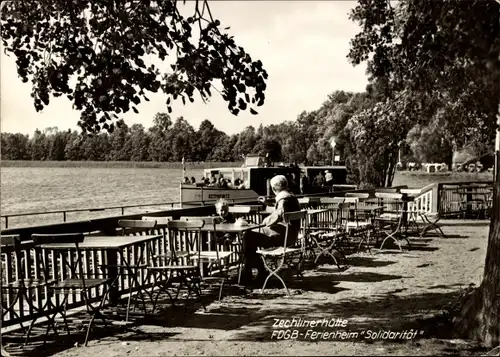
[182, 181]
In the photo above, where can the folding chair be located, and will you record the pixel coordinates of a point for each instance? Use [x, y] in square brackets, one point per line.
[394, 218]
[357, 223]
[276, 258]
[24, 289]
[329, 238]
[181, 263]
[134, 227]
[216, 260]
[76, 282]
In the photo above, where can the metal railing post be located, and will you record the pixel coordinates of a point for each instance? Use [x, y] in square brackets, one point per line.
[64, 216]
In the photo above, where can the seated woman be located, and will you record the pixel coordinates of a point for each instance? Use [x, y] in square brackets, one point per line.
[273, 234]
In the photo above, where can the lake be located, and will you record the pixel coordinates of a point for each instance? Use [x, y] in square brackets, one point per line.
[40, 189]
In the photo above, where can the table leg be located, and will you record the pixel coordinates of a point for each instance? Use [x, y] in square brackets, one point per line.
[112, 261]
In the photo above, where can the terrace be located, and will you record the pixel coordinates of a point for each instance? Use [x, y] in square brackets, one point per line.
[380, 290]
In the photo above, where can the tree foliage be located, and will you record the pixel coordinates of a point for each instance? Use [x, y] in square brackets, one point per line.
[96, 54]
[446, 53]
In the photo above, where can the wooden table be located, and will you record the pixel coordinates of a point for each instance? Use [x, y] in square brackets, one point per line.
[114, 247]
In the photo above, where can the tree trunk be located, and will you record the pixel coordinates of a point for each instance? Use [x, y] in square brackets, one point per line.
[480, 316]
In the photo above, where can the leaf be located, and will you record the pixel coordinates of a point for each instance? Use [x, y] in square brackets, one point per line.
[117, 61]
[135, 110]
[253, 111]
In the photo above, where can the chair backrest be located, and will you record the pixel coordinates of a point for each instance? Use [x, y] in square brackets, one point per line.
[391, 200]
[159, 220]
[39, 239]
[75, 264]
[294, 216]
[132, 226]
[182, 225]
[183, 235]
[389, 195]
[300, 216]
[10, 240]
[362, 195]
[352, 200]
[12, 244]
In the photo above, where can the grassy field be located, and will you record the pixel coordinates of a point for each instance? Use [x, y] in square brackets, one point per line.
[117, 164]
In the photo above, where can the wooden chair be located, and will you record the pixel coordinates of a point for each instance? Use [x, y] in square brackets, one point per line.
[275, 259]
[393, 220]
[330, 236]
[134, 227]
[137, 226]
[181, 263]
[357, 224]
[76, 282]
[215, 259]
[25, 289]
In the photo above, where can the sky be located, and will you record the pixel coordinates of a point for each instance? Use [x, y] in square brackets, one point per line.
[302, 44]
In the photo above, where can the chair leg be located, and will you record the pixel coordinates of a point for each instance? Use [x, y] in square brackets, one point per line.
[366, 237]
[390, 236]
[96, 312]
[274, 273]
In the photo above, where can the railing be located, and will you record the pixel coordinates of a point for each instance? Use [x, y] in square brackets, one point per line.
[26, 307]
[103, 209]
[424, 199]
[461, 198]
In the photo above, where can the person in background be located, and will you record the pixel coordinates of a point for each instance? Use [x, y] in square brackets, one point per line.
[304, 183]
[193, 181]
[319, 180]
[244, 185]
[273, 234]
[237, 182]
[292, 183]
[186, 180]
[223, 183]
[328, 178]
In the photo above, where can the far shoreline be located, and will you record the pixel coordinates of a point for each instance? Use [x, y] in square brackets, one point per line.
[200, 165]
[116, 164]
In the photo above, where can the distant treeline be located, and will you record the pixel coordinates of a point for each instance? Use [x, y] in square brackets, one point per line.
[165, 141]
[117, 164]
